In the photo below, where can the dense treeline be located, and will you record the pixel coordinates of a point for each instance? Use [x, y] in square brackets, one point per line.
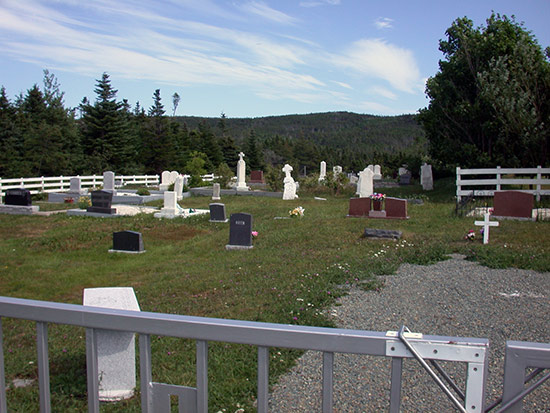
[40, 137]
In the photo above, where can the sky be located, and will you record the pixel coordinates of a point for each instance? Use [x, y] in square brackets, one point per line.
[243, 58]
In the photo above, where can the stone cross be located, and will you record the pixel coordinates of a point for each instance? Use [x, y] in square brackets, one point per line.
[241, 156]
[486, 223]
[241, 172]
[287, 169]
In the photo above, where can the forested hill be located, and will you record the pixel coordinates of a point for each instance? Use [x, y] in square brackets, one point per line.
[343, 130]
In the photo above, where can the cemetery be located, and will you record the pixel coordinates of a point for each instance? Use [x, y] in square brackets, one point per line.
[211, 265]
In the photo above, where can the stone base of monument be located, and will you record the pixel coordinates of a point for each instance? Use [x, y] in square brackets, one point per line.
[238, 247]
[377, 214]
[19, 209]
[83, 212]
[186, 213]
[115, 350]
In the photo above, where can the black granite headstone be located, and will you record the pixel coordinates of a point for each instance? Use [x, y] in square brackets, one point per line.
[240, 231]
[101, 202]
[217, 213]
[127, 241]
[21, 197]
[405, 179]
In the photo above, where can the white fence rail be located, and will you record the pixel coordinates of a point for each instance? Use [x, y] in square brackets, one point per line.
[536, 179]
[61, 183]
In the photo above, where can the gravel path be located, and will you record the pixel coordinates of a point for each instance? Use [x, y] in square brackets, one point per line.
[451, 298]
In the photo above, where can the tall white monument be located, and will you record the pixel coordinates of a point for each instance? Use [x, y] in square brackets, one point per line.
[241, 174]
[289, 192]
[426, 177]
[365, 186]
[323, 171]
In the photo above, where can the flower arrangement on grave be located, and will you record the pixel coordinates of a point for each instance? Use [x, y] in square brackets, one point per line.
[68, 200]
[471, 235]
[296, 212]
[377, 200]
[254, 234]
[377, 196]
[84, 202]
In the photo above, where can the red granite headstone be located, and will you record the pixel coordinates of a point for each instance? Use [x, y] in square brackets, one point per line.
[257, 177]
[513, 204]
[396, 208]
[359, 207]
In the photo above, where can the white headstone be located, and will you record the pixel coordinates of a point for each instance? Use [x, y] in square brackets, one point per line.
[289, 191]
[426, 177]
[403, 171]
[75, 185]
[365, 186]
[241, 174]
[216, 192]
[337, 170]
[486, 223]
[178, 187]
[116, 351]
[323, 171]
[173, 176]
[371, 167]
[109, 182]
[164, 181]
[171, 208]
[377, 172]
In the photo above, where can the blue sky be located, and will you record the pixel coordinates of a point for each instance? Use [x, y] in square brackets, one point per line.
[246, 58]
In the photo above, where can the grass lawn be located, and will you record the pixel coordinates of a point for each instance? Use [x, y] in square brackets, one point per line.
[293, 272]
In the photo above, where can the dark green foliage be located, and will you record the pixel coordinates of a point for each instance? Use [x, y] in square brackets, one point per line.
[254, 160]
[489, 100]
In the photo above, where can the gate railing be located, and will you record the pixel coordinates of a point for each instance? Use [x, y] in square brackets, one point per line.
[155, 397]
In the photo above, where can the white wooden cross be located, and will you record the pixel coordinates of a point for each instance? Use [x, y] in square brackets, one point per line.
[486, 224]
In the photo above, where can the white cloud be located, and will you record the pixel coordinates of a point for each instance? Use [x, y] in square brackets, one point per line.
[342, 84]
[315, 3]
[382, 91]
[384, 23]
[379, 59]
[261, 9]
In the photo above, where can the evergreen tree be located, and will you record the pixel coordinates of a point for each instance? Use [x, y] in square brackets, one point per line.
[255, 161]
[209, 145]
[10, 138]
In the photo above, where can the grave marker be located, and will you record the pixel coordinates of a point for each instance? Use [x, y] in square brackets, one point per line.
[217, 213]
[170, 208]
[101, 202]
[240, 231]
[130, 242]
[323, 171]
[257, 177]
[486, 223]
[216, 191]
[109, 181]
[516, 204]
[426, 177]
[20, 197]
[116, 353]
[289, 192]
[377, 172]
[396, 208]
[365, 185]
[241, 173]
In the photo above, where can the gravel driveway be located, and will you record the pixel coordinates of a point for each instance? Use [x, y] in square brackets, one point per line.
[451, 298]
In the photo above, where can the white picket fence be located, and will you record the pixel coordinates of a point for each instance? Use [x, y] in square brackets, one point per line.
[532, 180]
[62, 183]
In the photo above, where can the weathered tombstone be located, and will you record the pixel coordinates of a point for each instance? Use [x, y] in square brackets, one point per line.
[403, 170]
[173, 176]
[101, 202]
[75, 185]
[365, 186]
[371, 167]
[217, 213]
[216, 192]
[127, 241]
[353, 179]
[382, 233]
[516, 204]
[19, 196]
[178, 187]
[323, 171]
[116, 354]
[396, 208]
[241, 173]
[109, 181]
[240, 231]
[405, 179]
[170, 208]
[257, 177]
[486, 224]
[426, 177]
[359, 207]
[336, 170]
[377, 172]
[165, 181]
[289, 192]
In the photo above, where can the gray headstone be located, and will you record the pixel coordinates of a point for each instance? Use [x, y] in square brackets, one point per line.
[101, 202]
[217, 213]
[240, 231]
[127, 241]
[21, 197]
[109, 181]
[382, 233]
[216, 191]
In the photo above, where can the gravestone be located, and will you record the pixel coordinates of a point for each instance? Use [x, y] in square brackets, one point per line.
[109, 182]
[426, 177]
[486, 224]
[396, 208]
[75, 186]
[515, 204]
[170, 208]
[323, 171]
[377, 172]
[241, 173]
[365, 186]
[116, 355]
[382, 233]
[216, 192]
[101, 202]
[217, 213]
[289, 192]
[359, 207]
[257, 177]
[240, 231]
[128, 242]
[178, 187]
[405, 179]
[165, 181]
[18, 196]
[336, 170]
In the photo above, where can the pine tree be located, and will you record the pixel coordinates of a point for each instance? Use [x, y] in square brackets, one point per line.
[10, 138]
[253, 153]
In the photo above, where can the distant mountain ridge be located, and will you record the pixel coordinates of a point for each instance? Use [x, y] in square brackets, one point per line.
[341, 130]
